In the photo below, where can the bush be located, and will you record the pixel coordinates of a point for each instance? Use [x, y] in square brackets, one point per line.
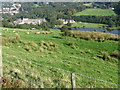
[71, 44]
[8, 82]
[116, 54]
[27, 48]
[105, 55]
[48, 45]
[101, 39]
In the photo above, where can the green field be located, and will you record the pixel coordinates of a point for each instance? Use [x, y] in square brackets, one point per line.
[88, 25]
[88, 4]
[96, 12]
[33, 59]
[85, 25]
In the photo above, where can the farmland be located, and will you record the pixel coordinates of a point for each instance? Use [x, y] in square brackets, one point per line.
[88, 25]
[95, 12]
[85, 25]
[43, 60]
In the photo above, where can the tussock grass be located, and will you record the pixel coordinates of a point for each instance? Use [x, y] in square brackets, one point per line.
[116, 54]
[8, 82]
[93, 35]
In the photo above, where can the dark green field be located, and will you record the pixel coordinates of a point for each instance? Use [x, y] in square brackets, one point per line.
[35, 59]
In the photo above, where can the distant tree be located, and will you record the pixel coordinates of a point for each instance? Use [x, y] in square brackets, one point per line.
[24, 26]
[117, 8]
[73, 11]
[64, 28]
[59, 22]
[111, 23]
[69, 24]
[69, 13]
[45, 26]
[7, 24]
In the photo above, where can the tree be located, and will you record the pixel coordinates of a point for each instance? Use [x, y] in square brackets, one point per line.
[59, 22]
[7, 24]
[64, 28]
[69, 13]
[73, 11]
[45, 26]
[117, 8]
[69, 24]
[111, 23]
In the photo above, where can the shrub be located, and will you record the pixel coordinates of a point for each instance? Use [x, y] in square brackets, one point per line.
[27, 48]
[105, 55]
[71, 44]
[8, 82]
[101, 39]
[48, 45]
[116, 54]
[33, 45]
[17, 37]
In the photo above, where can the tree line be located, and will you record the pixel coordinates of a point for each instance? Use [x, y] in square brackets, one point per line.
[55, 10]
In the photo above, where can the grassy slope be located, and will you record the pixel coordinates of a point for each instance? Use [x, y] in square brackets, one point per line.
[82, 60]
[96, 12]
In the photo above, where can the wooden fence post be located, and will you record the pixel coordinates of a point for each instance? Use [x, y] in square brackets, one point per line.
[1, 73]
[73, 80]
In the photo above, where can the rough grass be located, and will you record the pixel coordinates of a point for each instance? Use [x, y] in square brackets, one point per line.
[80, 56]
[93, 35]
[96, 12]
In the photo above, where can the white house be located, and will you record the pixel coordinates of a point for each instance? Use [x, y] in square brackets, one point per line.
[66, 21]
[29, 21]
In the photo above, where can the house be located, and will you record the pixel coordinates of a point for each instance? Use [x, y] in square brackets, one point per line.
[29, 21]
[14, 9]
[66, 21]
[111, 8]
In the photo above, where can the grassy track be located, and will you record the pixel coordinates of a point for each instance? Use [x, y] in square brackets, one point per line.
[54, 50]
[96, 12]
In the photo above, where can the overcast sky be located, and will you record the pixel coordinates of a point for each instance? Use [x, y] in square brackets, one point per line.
[59, 0]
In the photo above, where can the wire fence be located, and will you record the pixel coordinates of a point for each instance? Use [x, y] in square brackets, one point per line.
[24, 60]
[24, 68]
[105, 67]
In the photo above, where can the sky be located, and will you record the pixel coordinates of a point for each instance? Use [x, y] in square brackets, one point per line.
[59, 0]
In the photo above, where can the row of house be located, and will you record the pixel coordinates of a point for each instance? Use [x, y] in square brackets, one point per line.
[38, 21]
[29, 21]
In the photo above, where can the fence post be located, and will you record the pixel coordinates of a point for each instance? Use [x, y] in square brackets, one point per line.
[73, 81]
[1, 73]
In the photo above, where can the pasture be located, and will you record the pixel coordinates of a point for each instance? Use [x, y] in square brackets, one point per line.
[41, 60]
[96, 12]
[85, 25]
[88, 25]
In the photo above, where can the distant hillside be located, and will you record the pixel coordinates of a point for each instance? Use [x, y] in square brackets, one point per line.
[96, 12]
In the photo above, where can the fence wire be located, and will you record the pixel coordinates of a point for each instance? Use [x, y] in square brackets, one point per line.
[61, 69]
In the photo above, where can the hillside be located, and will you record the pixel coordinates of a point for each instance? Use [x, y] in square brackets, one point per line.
[46, 59]
[96, 12]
